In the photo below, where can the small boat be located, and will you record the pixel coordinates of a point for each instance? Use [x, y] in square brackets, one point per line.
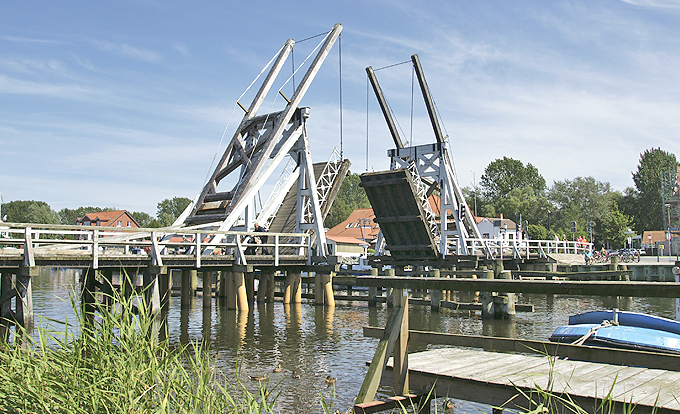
[617, 329]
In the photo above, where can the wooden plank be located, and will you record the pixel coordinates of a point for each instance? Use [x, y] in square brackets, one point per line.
[613, 288]
[637, 386]
[487, 378]
[663, 391]
[580, 352]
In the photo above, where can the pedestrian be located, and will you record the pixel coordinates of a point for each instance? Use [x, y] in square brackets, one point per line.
[262, 239]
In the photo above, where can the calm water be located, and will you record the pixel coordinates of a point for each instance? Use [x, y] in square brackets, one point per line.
[316, 341]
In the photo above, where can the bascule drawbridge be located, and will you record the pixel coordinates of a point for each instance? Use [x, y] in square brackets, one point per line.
[409, 227]
[261, 144]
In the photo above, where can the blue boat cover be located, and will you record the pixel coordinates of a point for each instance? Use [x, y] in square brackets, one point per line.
[629, 337]
[640, 320]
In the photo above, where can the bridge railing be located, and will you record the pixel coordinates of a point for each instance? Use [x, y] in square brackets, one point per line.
[499, 249]
[30, 240]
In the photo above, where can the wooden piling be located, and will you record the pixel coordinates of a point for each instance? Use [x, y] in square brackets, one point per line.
[230, 281]
[107, 286]
[263, 286]
[389, 292]
[435, 295]
[318, 290]
[504, 303]
[487, 298]
[373, 291]
[207, 289]
[87, 296]
[400, 353]
[186, 292]
[6, 296]
[250, 288]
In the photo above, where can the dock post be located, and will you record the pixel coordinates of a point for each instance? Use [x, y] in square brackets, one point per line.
[318, 289]
[87, 296]
[207, 289]
[390, 292]
[435, 295]
[266, 277]
[614, 263]
[6, 306]
[221, 287]
[487, 299]
[250, 288]
[186, 292]
[373, 291]
[107, 286]
[400, 353]
[24, 299]
[271, 286]
[231, 289]
[165, 292]
[504, 303]
[153, 291]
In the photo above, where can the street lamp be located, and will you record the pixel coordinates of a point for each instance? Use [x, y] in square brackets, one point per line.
[591, 232]
[549, 234]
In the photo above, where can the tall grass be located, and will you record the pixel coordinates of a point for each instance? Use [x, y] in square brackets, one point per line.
[115, 365]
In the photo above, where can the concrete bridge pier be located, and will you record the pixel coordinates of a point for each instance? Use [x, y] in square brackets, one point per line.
[266, 287]
[292, 292]
[323, 289]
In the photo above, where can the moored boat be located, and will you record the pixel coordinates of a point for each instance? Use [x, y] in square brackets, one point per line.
[628, 330]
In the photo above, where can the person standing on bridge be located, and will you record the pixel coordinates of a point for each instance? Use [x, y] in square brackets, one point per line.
[263, 239]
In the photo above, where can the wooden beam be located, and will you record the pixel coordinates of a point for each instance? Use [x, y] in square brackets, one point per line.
[374, 375]
[653, 360]
[592, 288]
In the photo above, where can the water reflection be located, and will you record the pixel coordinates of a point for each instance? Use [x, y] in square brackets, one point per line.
[316, 341]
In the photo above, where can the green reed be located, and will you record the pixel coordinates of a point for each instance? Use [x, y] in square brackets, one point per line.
[115, 364]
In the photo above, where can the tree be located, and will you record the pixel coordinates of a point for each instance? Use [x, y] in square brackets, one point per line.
[350, 197]
[144, 219]
[582, 200]
[168, 210]
[537, 232]
[30, 211]
[525, 203]
[503, 175]
[647, 179]
[614, 228]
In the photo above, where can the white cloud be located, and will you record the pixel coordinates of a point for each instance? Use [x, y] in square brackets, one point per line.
[127, 50]
[673, 4]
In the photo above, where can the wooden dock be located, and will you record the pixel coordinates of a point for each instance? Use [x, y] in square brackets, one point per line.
[507, 380]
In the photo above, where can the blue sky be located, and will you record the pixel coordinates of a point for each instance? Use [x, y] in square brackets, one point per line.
[124, 103]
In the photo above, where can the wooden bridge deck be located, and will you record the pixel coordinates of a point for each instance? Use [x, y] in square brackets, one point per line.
[495, 378]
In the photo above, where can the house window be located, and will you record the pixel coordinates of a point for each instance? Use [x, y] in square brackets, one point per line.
[129, 224]
[119, 223]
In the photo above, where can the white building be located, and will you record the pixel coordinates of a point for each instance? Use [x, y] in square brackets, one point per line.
[498, 228]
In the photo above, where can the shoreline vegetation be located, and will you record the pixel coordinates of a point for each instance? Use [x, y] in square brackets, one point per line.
[114, 365]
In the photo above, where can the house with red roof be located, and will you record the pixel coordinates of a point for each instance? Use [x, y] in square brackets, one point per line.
[118, 218]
